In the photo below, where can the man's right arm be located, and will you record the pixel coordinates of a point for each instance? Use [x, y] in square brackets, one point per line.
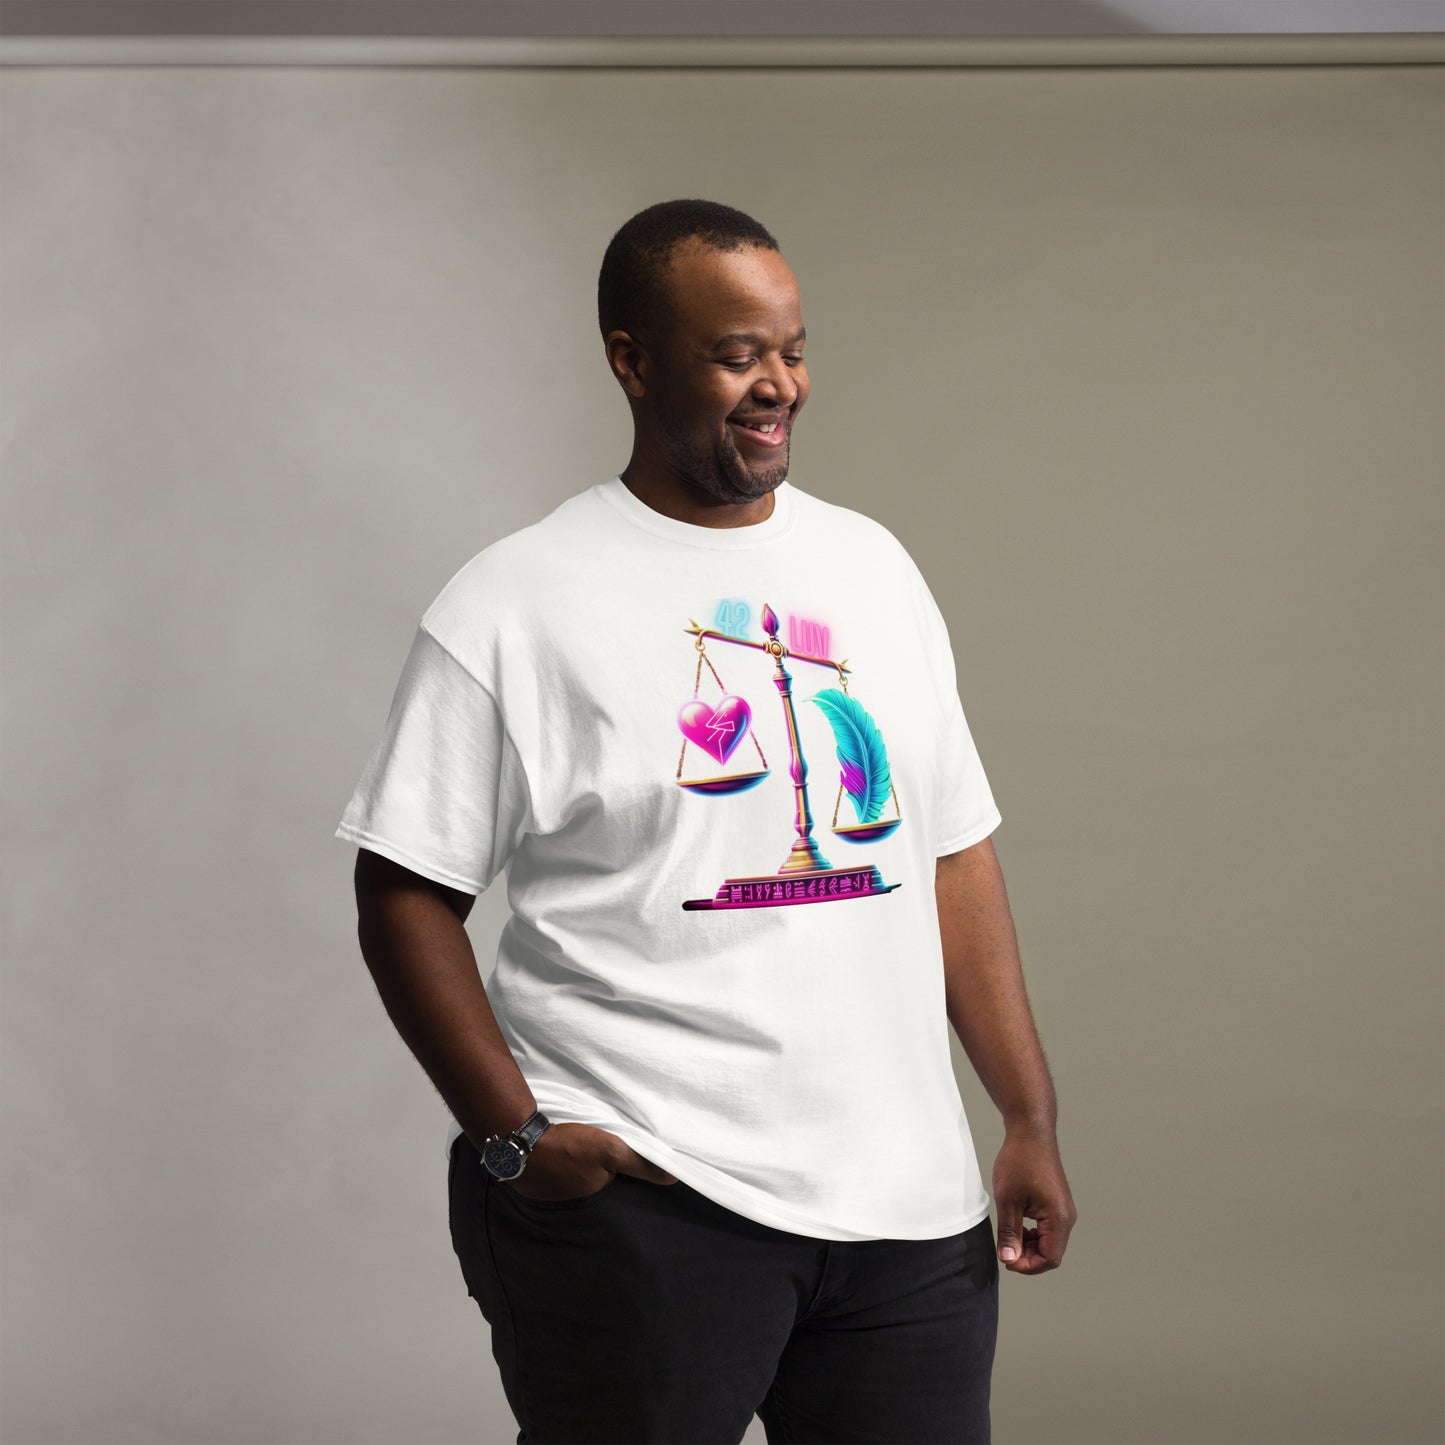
[413, 940]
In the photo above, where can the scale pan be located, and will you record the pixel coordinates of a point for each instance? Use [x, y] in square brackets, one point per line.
[728, 783]
[866, 832]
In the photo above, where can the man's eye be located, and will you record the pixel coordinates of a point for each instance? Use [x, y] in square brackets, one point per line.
[743, 365]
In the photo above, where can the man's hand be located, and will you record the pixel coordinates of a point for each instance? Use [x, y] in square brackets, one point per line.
[571, 1161]
[1028, 1179]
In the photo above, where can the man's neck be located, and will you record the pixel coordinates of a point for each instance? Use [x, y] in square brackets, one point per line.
[686, 504]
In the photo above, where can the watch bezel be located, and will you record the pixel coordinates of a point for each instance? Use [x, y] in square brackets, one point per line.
[503, 1157]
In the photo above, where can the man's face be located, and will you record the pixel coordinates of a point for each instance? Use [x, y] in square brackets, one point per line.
[736, 353]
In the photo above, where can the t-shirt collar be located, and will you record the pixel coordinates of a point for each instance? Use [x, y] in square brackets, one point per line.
[617, 494]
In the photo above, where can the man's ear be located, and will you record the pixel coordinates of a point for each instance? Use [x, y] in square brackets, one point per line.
[629, 361]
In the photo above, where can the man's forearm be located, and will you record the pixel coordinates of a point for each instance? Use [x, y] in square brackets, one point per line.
[422, 962]
[987, 1003]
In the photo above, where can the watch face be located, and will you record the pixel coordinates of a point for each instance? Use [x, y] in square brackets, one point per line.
[502, 1158]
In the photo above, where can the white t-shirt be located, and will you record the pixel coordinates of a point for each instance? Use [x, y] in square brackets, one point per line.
[778, 1040]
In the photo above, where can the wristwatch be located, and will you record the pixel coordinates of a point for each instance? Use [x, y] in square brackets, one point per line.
[505, 1155]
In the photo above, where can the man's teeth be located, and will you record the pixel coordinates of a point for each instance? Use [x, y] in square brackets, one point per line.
[771, 426]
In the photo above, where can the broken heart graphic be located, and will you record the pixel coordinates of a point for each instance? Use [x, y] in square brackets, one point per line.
[717, 728]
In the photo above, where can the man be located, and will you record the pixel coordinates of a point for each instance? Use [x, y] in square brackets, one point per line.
[708, 1157]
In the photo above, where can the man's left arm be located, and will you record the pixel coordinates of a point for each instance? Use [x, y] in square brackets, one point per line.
[989, 1010]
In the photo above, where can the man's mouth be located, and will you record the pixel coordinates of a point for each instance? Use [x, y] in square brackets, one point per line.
[761, 431]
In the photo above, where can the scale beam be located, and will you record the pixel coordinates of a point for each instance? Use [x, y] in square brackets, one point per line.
[701, 632]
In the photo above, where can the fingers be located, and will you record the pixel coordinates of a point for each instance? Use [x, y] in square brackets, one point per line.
[621, 1158]
[634, 1163]
[1035, 1256]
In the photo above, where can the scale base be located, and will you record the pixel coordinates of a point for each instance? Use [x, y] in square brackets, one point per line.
[777, 890]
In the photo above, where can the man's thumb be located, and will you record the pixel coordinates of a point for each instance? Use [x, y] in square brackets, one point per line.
[1010, 1227]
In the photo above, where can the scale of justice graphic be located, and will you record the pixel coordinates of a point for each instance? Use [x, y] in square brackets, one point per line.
[718, 729]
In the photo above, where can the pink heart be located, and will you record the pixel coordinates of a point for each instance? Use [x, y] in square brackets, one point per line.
[716, 728]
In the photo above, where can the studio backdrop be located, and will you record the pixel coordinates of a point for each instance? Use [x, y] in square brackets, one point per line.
[1143, 364]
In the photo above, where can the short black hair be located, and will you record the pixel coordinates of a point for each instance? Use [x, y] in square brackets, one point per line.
[632, 291]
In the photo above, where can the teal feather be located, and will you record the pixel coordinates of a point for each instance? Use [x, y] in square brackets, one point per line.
[861, 753]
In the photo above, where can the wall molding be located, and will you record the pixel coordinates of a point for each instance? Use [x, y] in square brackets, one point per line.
[725, 52]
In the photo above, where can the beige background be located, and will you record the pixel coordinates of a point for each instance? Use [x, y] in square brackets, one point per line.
[1143, 365]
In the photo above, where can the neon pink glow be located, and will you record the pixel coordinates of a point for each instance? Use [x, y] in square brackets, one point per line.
[807, 636]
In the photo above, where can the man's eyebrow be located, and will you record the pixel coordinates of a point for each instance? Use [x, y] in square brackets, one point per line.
[747, 338]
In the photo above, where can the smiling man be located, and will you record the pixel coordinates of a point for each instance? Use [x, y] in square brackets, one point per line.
[707, 1155]
[715, 400]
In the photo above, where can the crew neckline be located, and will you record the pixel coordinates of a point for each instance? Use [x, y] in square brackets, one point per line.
[780, 521]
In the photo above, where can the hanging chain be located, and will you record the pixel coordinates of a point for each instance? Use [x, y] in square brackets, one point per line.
[702, 657]
[838, 801]
[696, 681]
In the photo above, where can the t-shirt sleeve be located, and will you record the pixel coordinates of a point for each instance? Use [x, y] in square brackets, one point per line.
[965, 809]
[444, 793]
[967, 813]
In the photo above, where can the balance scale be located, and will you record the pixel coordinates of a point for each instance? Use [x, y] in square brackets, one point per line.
[718, 728]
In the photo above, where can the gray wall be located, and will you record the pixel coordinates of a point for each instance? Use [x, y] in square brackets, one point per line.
[1143, 365]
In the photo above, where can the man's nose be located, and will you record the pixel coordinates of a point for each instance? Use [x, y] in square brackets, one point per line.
[777, 386]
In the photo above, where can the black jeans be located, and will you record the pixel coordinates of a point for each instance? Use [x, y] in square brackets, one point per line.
[649, 1313]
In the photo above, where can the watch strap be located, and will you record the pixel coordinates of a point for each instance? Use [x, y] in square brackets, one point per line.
[531, 1129]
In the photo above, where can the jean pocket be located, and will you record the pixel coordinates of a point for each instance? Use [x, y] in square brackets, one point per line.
[548, 1205]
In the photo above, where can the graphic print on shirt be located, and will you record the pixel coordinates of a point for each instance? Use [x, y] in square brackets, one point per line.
[718, 726]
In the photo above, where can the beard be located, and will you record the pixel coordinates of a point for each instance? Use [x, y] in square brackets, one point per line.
[721, 470]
